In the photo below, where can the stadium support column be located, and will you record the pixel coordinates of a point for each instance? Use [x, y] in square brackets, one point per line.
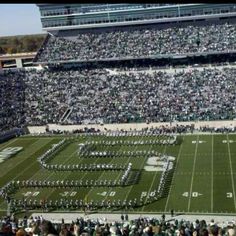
[1, 65]
[19, 63]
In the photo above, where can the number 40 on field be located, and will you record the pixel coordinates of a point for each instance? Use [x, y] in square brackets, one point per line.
[194, 194]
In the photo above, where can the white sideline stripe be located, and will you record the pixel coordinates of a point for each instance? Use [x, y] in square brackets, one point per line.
[231, 170]
[212, 171]
[173, 177]
[194, 164]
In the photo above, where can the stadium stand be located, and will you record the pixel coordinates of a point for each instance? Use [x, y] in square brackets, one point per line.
[85, 226]
[11, 101]
[71, 96]
[143, 42]
[95, 96]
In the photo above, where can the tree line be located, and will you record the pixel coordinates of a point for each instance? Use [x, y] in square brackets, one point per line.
[21, 44]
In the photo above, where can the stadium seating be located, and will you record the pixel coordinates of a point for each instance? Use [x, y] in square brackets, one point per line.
[11, 101]
[144, 42]
[95, 96]
[141, 226]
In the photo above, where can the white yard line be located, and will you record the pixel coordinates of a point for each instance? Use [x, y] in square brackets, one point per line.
[231, 170]
[28, 166]
[64, 174]
[173, 177]
[80, 160]
[153, 180]
[128, 192]
[131, 187]
[117, 176]
[91, 188]
[7, 144]
[56, 171]
[23, 159]
[212, 171]
[46, 177]
[194, 164]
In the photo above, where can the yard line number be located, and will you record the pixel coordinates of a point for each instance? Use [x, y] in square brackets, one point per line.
[200, 141]
[194, 194]
[111, 194]
[30, 194]
[228, 141]
[68, 194]
[151, 194]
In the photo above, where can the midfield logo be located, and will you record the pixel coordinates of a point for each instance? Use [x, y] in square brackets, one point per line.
[159, 163]
[8, 152]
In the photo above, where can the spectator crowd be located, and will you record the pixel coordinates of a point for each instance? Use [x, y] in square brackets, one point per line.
[12, 101]
[82, 96]
[96, 96]
[142, 226]
[140, 42]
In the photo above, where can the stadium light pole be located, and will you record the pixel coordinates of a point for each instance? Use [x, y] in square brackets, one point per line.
[178, 10]
[108, 14]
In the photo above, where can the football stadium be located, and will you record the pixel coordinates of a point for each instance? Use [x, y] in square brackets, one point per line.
[128, 112]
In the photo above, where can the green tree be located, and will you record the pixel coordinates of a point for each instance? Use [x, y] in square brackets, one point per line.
[18, 44]
[2, 50]
[11, 50]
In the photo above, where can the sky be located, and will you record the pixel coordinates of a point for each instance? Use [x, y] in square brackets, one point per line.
[19, 19]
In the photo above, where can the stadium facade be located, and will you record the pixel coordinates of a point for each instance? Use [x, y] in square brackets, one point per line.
[57, 17]
[68, 21]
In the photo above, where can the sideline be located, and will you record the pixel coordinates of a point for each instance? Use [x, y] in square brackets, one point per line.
[221, 220]
[134, 126]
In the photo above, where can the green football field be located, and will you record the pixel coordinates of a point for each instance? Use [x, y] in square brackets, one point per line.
[203, 179]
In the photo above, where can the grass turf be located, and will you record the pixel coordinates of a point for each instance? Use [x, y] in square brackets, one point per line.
[203, 181]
